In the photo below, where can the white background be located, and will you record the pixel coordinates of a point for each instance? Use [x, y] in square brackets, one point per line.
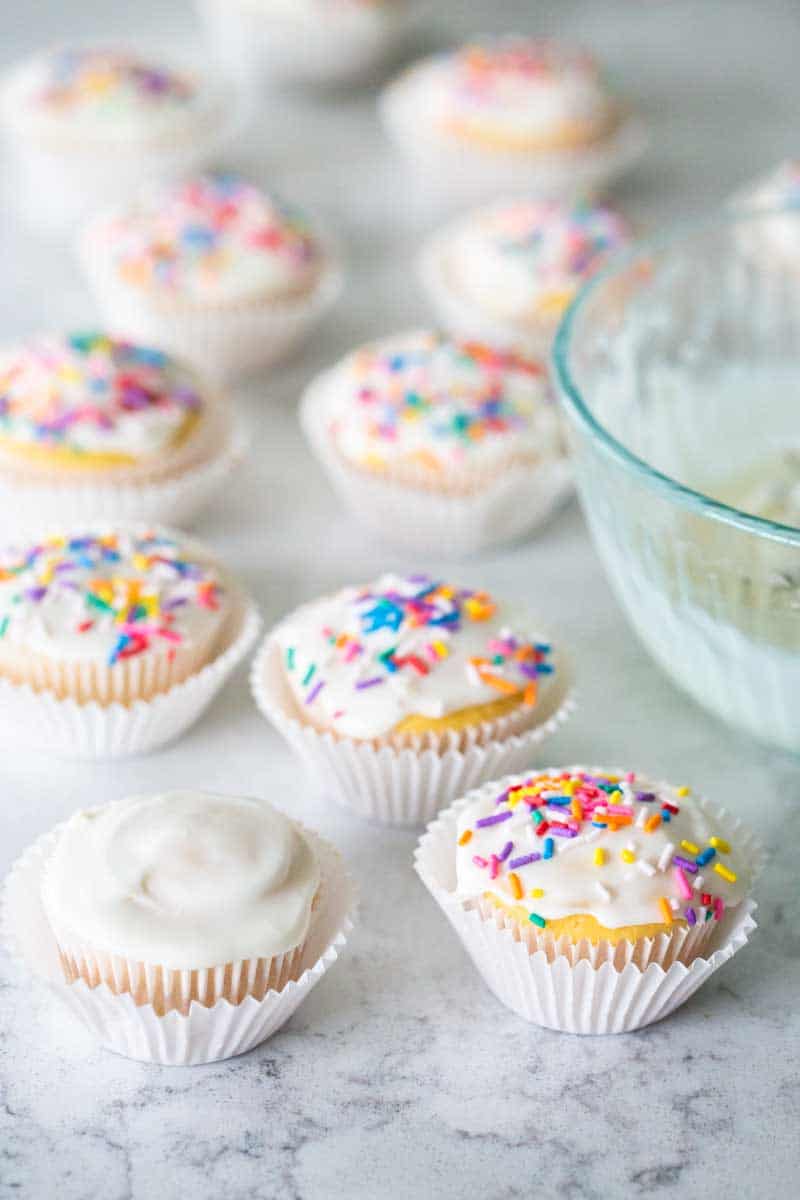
[402, 1076]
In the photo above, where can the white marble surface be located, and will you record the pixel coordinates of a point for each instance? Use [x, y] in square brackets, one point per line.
[401, 1076]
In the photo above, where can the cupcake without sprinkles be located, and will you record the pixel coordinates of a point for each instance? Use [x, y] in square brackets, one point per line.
[400, 694]
[507, 273]
[592, 901]
[213, 270]
[509, 115]
[113, 639]
[305, 41]
[90, 124]
[90, 424]
[443, 446]
[182, 927]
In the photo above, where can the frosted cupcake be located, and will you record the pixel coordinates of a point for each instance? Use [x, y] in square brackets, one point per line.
[444, 446]
[396, 692]
[510, 114]
[90, 124]
[507, 273]
[305, 41]
[592, 901]
[214, 270]
[90, 424]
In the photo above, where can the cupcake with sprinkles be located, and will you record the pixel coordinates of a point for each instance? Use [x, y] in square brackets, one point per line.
[441, 445]
[212, 269]
[507, 273]
[604, 887]
[510, 114]
[88, 124]
[90, 423]
[400, 691]
[317, 42]
[105, 631]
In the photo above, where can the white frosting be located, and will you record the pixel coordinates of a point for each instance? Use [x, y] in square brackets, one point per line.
[509, 88]
[100, 94]
[184, 880]
[618, 892]
[440, 405]
[100, 594]
[336, 649]
[328, 11]
[779, 189]
[525, 260]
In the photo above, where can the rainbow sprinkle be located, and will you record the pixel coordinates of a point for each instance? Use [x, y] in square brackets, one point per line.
[108, 81]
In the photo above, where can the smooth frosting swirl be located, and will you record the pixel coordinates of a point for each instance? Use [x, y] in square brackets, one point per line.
[443, 406]
[106, 596]
[363, 660]
[185, 880]
[85, 398]
[615, 847]
[210, 239]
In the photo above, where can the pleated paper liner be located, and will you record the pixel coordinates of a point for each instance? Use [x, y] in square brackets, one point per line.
[225, 341]
[204, 1034]
[579, 988]
[70, 729]
[520, 497]
[450, 174]
[407, 784]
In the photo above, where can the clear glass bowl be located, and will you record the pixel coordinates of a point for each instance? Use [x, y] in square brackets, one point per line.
[679, 370]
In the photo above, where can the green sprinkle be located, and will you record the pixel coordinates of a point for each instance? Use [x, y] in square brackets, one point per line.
[3, 626]
[309, 675]
[96, 602]
[535, 919]
[537, 816]
[290, 659]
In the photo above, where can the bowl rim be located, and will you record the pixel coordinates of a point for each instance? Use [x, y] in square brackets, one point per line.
[690, 498]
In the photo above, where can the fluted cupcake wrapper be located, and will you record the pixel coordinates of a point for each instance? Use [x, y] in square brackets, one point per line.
[401, 785]
[579, 988]
[177, 501]
[70, 729]
[226, 342]
[204, 1034]
[520, 496]
[449, 173]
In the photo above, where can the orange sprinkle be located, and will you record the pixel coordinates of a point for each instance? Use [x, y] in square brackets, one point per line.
[465, 837]
[516, 886]
[666, 911]
[500, 684]
[531, 693]
[577, 809]
[652, 823]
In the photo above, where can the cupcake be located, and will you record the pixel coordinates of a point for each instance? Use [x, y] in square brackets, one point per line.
[211, 269]
[90, 124]
[444, 446]
[90, 424]
[182, 928]
[510, 114]
[397, 693]
[609, 896]
[304, 41]
[114, 638]
[507, 273]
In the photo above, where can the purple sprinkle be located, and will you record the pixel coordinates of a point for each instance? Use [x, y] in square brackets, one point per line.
[504, 853]
[495, 819]
[691, 915]
[523, 861]
[368, 683]
[39, 593]
[564, 831]
[315, 691]
[686, 863]
[645, 797]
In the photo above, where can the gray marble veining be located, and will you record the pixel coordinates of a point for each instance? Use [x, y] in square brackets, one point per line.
[401, 1077]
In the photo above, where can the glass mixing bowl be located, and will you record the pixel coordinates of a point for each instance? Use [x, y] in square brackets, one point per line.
[679, 370]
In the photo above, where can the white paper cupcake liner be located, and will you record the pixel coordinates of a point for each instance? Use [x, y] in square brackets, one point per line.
[178, 501]
[400, 786]
[463, 319]
[521, 498]
[205, 1034]
[578, 993]
[447, 173]
[250, 44]
[68, 729]
[224, 343]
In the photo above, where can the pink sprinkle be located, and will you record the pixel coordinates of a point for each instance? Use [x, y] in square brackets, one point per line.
[479, 862]
[683, 883]
[719, 908]
[494, 866]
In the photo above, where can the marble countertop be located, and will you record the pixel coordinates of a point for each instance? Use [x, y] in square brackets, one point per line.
[402, 1076]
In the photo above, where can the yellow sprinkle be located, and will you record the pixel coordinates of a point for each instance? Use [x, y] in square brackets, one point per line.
[537, 893]
[615, 798]
[666, 911]
[516, 886]
[725, 872]
[682, 791]
[628, 856]
[599, 857]
[690, 848]
[720, 844]
[465, 837]
[440, 649]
